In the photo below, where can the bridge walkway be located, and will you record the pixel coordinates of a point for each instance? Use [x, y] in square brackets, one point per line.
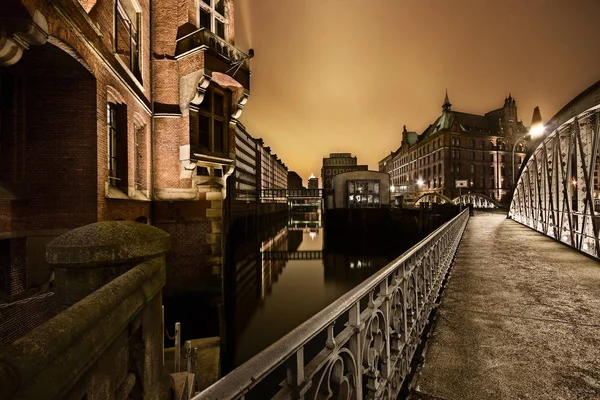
[520, 319]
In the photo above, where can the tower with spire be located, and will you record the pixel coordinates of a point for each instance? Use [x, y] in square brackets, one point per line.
[510, 115]
[447, 105]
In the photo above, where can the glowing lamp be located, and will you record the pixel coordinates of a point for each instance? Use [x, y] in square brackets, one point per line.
[393, 188]
[537, 127]
[420, 182]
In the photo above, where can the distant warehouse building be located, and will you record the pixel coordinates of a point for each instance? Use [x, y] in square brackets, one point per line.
[359, 189]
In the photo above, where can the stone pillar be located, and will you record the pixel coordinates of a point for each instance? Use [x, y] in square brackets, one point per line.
[89, 257]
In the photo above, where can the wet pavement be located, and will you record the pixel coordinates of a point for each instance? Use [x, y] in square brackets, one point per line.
[520, 319]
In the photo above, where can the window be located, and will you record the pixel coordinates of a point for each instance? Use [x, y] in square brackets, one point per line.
[212, 16]
[472, 143]
[472, 169]
[472, 155]
[209, 122]
[502, 158]
[363, 194]
[117, 144]
[140, 157]
[127, 35]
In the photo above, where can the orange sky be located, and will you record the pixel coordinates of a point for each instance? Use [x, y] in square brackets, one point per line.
[346, 75]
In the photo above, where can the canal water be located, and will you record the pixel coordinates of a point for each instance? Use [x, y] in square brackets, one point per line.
[278, 282]
[279, 276]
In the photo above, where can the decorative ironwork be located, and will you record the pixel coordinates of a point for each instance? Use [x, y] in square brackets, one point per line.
[433, 198]
[293, 255]
[291, 194]
[557, 190]
[477, 199]
[380, 322]
[205, 39]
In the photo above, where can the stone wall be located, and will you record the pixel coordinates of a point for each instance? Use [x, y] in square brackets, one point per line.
[107, 343]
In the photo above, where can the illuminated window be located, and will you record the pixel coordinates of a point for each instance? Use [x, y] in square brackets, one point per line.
[127, 35]
[212, 16]
[363, 194]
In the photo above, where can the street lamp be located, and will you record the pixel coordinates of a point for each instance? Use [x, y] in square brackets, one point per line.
[392, 188]
[535, 130]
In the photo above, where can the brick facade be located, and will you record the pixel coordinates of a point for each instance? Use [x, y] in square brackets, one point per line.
[95, 125]
[459, 146]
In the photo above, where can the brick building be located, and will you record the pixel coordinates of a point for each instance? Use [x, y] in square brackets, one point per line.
[110, 113]
[459, 146]
[338, 163]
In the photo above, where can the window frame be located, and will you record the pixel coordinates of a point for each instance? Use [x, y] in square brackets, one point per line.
[119, 12]
[214, 16]
[202, 110]
[112, 132]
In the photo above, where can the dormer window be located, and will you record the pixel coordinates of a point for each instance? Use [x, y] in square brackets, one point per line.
[127, 35]
[212, 16]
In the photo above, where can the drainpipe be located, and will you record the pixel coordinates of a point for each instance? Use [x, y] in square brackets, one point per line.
[152, 135]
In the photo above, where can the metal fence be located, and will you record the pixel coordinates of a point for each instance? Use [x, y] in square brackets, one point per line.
[360, 346]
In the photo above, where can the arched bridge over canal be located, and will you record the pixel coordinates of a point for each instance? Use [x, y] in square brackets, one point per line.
[478, 200]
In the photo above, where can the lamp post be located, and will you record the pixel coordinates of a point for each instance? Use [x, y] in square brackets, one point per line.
[535, 130]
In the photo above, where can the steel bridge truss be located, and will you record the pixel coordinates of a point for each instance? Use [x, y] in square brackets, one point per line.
[477, 199]
[557, 189]
[364, 341]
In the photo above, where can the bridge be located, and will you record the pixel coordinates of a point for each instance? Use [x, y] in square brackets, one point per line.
[478, 200]
[293, 255]
[486, 306]
[291, 194]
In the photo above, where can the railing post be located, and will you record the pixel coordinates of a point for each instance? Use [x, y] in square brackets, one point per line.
[295, 373]
[177, 347]
[188, 355]
[355, 346]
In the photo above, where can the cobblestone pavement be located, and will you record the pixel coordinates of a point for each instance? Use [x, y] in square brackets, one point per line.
[520, 319]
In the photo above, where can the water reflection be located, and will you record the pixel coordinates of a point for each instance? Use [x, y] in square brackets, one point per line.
[295, 280]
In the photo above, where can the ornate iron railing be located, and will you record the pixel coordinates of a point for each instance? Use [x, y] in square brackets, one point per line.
[477, 199]
[360, 346]
[204, 38]
[558, 188]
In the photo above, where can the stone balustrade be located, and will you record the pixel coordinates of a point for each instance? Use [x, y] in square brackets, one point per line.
[107, 343]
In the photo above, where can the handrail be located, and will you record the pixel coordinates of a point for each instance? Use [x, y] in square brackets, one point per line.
[402, 284]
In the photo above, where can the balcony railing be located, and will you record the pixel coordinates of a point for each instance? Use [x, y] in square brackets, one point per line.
[204, 38]
[360, 346]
